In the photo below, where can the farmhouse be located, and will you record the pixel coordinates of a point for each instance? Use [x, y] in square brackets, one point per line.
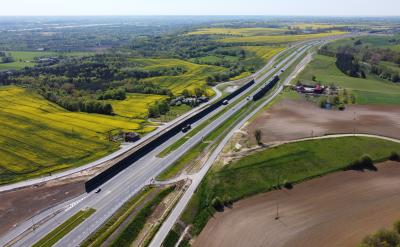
[310, 89]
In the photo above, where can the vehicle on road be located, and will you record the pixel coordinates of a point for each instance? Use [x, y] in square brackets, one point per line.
[98, 191]
[225, 102]
[186, 128]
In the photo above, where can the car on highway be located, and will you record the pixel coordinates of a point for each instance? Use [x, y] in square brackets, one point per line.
[186, 128]
[225, 102]
[98, 191]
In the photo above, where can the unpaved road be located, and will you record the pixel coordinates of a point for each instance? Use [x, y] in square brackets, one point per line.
[295, 119]
[336, 210]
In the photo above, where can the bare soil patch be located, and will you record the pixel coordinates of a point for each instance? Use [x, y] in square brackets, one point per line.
[335, 210]
[19, 205]
[295, 119]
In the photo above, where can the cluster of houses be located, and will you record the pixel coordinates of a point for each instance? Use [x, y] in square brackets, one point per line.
[191, 101]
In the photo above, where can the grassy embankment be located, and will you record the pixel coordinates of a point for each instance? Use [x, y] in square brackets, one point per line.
[271, 168]
[38, 137]
[372, 90]
[103, 233]
[132, 230]
[62, 230]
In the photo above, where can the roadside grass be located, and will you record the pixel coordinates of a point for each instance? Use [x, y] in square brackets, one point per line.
[66, 227]
[273, 167]
[277, 39]
[26, 58]
[130, 233]
[368, 91]
[174, 112]
[100, 236]
[38, 137]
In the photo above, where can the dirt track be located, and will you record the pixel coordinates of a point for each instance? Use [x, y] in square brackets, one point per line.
[336, 210]
[295, 119]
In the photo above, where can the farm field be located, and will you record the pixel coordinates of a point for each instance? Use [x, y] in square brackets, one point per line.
[339, 209]
[303, 119]
[367, 91]
[38, 137]
[279, 39]
[26, 58]
[261, 171]
[135, 105]
[194, 77]
[238, 31]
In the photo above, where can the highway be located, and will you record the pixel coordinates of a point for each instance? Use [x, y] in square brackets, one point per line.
[198, 177]
[123, 186]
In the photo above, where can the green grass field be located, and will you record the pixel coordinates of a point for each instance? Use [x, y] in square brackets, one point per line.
[38, 137]
[194, 77]
[367, 91]
[370, 41]
[62, 230]
[264, 170]
[26, 58]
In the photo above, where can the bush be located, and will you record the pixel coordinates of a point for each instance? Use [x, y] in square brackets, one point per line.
[322, 103]
[288, 185]
[396, 227]
[382, 238]
[341, 107]
[394, 156]
[365, 162]
[171, 239]
[217, 204]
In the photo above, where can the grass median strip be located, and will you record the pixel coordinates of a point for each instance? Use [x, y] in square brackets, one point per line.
[98, 238]
[66, 227]
[130, 233]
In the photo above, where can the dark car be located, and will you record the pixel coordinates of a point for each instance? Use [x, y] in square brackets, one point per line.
[98, 191]
[186, 128]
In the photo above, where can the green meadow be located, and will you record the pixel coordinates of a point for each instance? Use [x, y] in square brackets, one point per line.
[372, 90]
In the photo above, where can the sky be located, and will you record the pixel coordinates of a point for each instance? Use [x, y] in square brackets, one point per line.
[201, 7]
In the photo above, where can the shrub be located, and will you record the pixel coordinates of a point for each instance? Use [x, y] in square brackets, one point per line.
[217, 204]
[288, 185]
[382, 238]
[258, 136]
[366, 161]
[341, 107]
[396, 227]
[394, 156]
